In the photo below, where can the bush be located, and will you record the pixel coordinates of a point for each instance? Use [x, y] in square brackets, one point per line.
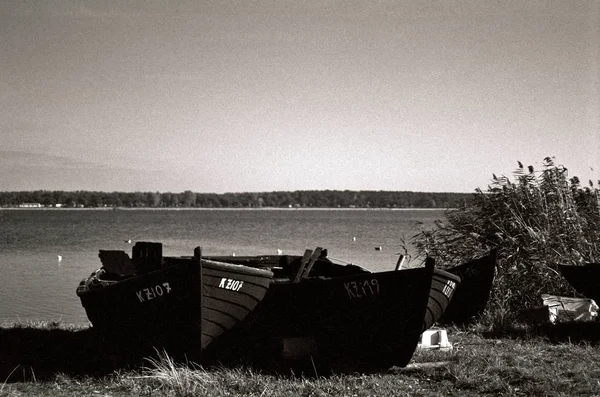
[537, 222]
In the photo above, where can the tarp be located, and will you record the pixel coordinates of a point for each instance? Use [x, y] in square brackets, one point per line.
[563, 309]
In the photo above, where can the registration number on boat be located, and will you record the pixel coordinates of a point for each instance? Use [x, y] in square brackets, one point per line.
[228, 283]
[153, 292]
[449, 288]
[360, 289]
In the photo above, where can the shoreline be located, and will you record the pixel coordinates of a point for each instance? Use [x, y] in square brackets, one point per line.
[221, 209]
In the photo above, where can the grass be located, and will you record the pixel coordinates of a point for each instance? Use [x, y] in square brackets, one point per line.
[528, 362]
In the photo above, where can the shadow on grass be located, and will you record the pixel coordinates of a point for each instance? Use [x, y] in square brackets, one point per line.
[573, 332]
[40, 352]
[30, 353]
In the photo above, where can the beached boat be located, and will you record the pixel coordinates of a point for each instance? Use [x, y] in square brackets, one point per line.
[443, 287]
[471, 296]
[585, 279]
[150, 298]
[330, 317]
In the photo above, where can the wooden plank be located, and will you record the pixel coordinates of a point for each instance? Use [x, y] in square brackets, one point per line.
[400, 262]
[305, 259]
[200, 302]
[315, 255]
[427, 365]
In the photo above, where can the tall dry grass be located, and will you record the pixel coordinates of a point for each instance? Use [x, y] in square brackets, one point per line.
[537, 220]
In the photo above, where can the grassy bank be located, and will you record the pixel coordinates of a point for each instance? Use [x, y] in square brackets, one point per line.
[55, 359]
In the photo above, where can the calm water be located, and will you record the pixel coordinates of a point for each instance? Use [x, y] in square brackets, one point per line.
[37, 286]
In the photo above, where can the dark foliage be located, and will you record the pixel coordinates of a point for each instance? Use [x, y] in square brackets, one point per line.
[537, 222]
[189, 199]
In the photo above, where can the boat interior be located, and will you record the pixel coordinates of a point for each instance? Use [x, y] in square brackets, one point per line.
[147, 256]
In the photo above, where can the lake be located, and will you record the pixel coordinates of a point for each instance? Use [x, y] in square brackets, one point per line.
[38, 286]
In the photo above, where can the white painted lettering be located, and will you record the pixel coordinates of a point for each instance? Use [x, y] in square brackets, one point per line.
[368, 285]
[358, 294]
[351, 294]
[153, 292]
[448, 288]
[231, 284]
[360, 289]
[375, 283]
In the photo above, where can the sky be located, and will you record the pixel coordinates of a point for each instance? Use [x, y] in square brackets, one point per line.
[256, 96]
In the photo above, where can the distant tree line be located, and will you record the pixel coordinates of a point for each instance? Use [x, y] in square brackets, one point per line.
[281, 199]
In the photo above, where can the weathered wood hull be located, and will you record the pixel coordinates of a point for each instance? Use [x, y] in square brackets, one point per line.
[471, 296]
[362, 321]
[182, 303]
[443, 286]
[229, 294]
[147, 305]
[584, 278]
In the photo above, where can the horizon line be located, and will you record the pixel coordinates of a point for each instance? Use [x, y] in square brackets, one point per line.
[238, 192]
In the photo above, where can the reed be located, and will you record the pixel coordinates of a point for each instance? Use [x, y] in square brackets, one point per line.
[537, 220]
[181, 378]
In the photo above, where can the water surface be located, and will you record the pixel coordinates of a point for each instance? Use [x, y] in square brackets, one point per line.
[36, 285]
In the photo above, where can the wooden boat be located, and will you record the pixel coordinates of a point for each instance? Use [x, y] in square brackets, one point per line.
[160, 301]
[443, 287]
[329, 317]
[585, 279]
[471, 296]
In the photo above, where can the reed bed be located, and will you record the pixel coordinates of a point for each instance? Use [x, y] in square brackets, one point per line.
[536, 221]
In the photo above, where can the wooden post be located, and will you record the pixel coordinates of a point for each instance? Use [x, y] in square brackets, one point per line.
[313, 258]
[400, 262]
[200, 298]
[305, 259]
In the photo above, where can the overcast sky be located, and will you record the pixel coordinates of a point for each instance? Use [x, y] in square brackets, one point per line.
[236, 96]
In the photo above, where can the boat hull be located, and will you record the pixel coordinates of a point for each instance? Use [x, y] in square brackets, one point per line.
[471, 296]
[181, 304]
[443, 286]
[358, 322]
[229, 294]
[584, 279]
[147, 306]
